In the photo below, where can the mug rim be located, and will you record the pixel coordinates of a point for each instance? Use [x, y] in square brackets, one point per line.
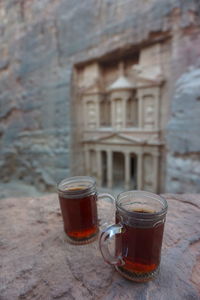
[141, 215]
[62, 185]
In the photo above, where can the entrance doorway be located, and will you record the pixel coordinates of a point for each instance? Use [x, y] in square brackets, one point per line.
[133, 169]
[104, 168]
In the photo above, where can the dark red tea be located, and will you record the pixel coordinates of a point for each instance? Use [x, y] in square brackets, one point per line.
[140, 248]
[80, 216]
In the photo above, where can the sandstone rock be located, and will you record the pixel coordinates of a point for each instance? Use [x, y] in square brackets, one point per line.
[183, 139]
[37, 263]
[18, 189]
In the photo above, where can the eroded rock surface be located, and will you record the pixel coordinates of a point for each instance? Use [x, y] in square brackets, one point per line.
[37, 263]
[183, 139]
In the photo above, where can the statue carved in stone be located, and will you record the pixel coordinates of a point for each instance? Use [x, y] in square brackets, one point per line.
[91, 114]
[118, 113]
[149, 116]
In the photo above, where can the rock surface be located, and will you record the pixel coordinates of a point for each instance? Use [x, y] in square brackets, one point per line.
[37, 263]
[183, 158]
[18, 189]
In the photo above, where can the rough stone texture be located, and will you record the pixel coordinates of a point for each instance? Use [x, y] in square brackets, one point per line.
[37, 263]
[41, 40]
[183, 159]
[18, 189]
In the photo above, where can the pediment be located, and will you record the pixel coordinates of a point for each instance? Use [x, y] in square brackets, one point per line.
[117, 138]
[123, 139]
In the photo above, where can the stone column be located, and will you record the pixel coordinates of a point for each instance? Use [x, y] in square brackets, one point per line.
[99, 168]
[109, 169]
[139, 171]
[155, 171]
[87, 161]
[127, 170]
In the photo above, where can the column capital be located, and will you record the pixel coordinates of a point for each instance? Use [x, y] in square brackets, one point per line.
[109, 151]
[156, 154]
[140, 153]
[126, 152]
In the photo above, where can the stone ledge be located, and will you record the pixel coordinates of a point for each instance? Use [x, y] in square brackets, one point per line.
[37, 263]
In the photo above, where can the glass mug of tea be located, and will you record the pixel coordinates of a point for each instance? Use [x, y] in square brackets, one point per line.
[78, 203]
[138, 234]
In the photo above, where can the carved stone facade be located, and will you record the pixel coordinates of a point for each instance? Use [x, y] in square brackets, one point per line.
[119, 105]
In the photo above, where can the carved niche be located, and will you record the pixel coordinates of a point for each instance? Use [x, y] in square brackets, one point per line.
[118, 121]
[90, 114]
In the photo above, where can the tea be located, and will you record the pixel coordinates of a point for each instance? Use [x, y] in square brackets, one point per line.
[138, 232]
[140, 247]
[79, 216]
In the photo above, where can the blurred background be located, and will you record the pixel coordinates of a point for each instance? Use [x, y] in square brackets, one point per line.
[107, 88]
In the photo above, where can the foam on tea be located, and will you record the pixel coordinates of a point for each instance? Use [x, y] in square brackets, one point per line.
[74, 189]
[143, 211]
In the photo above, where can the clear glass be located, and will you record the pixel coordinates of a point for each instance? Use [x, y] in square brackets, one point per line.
[138, 233]
[78, 202]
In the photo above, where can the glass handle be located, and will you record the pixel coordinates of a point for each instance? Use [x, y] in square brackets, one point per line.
[104, 240]
[106, 195]
[104, 222]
